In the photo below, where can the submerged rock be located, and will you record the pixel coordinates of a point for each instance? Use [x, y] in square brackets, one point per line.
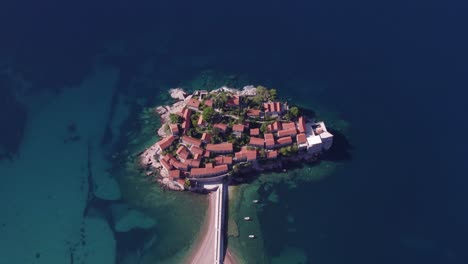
[127, 219]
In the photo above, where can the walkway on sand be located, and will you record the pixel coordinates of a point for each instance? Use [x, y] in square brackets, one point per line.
[211, 249]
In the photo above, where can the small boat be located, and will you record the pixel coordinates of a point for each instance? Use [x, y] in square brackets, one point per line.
[251, 236]
[255, 201]
[247, 218]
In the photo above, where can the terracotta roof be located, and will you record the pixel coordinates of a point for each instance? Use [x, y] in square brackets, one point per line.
[238, 128]
[200, 121]
[179, 165]
[167, 157]
[272, 154]
[301, 138]
[174, 128]
[254, 131]
[193, 103]
[301, 124]
[207, 154]
[234, 101]
[253, 112]
[166, 142]
[277, 126]
[183, 152]
[193, 163]
[165, 164]
[197, 156]
[209, 165]
[196, 150]
[222, 127]
[216, 170]
[206, 137]
[209, 102]
[192, 141]
[221, 147]
[181, 182]
[186, 124]
[287, 132]
[174, 173]
[278, 107]
[288, 125]
[269, 140]
[284, 141]
[246, 154]
[257, 141]
[223, 160]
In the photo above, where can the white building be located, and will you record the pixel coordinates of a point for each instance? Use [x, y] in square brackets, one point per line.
[318, 138]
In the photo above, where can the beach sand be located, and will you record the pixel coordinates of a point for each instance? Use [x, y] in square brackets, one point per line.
[202, 251]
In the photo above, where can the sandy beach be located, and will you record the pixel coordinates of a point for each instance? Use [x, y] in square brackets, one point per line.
[202, 251]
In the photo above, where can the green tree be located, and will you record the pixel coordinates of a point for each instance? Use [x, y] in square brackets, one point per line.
[208, 114]
[263, 128]
[272, 93]
[175, 118]
[294, 111]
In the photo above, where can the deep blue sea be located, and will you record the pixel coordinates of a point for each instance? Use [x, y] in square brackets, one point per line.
[76, 76]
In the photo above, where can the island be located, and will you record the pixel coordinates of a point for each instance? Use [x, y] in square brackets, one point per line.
[211, 138]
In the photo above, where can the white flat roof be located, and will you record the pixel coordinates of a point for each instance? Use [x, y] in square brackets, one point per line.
[326, 135]
[314, 140]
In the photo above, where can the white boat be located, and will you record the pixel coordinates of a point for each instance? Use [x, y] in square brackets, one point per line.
[247, 218]
[251, 236]
[255, 201]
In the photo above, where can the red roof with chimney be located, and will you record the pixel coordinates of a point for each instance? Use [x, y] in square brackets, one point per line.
[166, 142]
[238, 128]
[216, 170]
[256, 141]
[287, 132]
[221, 147]
[183, 152]
[301, 138]
[223, 160]
[221, 127]
[284, 140]
[174, 173]
[193, 103]
[254, 131]
[192, 141]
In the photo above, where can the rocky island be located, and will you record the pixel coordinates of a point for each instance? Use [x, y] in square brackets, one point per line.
[210, 139]
[207, 136]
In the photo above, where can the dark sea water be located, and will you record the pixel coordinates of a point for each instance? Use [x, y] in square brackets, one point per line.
[396, 72]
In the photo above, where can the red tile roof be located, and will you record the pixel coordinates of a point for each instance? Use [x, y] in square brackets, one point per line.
[193, 163]
[220, 148]
[192, 141]
[272, 154]
[254, 131]
[183, 152]
[174, 128]
[166, 142]
[233, 101]
[186, 124]
[165, 164]
[223, 160]
[301, 124]
[179, 165]
[207, 154]
[181, 182]
[288, 125]
[284, 141]
[238, 128]
[269, 140]
[193, 103]
[167, 157]
[215, 171]
[253, 112]
[209, 165]
[221, 127]
[206, 137]
[196, 150]
[246, 154]
[287, 132]
[174, 173]
[209, 102]
[257, 141]
[301, 138]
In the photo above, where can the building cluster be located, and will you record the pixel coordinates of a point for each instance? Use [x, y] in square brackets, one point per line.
[200, 158]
